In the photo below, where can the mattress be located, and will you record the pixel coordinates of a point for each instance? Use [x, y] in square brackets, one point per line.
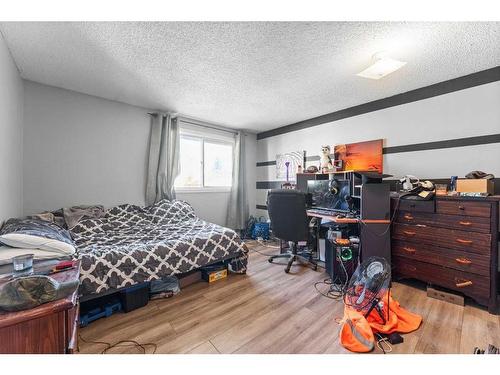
[133, 244]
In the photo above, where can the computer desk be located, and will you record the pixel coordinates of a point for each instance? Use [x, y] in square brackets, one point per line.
[342, 220]
[346, 220]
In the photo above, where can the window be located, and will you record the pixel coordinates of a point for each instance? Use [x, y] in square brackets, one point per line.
[206, 162]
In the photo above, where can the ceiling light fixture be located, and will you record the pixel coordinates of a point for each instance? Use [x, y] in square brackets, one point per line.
[382, 66]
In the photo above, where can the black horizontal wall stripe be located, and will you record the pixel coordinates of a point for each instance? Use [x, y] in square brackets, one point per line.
[459, 142]
[266, 163]
[273, 162]
[437, 145]
[314, 157]
[265, 185]
[261, 207]
[445, 87]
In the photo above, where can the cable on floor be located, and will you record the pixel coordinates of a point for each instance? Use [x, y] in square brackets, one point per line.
[383, 343]
[128, 343]
[335, 290]
[261, 242]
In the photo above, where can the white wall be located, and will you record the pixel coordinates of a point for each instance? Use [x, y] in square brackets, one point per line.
[466, 113]
[80, 149]
[11, 136]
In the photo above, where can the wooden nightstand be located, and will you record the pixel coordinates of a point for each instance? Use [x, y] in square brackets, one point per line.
[51, 328]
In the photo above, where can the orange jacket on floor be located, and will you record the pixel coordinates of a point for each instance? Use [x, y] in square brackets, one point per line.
[357, 332]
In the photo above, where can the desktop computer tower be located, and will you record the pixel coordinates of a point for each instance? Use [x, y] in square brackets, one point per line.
[375, 205]
[340, 271]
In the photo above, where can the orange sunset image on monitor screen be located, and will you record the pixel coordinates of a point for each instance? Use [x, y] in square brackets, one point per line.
[361, 156]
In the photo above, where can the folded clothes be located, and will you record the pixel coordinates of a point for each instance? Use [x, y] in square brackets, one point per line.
[7, 253]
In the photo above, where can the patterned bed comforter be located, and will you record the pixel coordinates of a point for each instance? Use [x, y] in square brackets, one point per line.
[133, 244]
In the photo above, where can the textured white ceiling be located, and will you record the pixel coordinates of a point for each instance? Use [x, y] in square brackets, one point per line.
[258, 75]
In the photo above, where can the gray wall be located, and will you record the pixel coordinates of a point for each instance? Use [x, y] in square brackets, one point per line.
[466, 113]
[80, 149]
[11, 136]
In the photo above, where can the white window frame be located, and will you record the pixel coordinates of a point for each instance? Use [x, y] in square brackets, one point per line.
[205, 136]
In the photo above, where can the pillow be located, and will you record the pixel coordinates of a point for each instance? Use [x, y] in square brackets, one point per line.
[36, 234]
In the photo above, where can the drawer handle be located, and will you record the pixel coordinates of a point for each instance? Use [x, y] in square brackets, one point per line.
[408, 217]
[463, 284]
[463, 260]
[459, 240]
[466, 223]
[412, 268]
[409, 233]
[412, 205]
[409, 250]
[461, 208]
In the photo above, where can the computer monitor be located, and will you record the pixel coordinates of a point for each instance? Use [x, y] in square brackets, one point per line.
[332, 194]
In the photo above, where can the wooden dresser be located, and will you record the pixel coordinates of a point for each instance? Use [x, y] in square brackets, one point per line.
[450, 242]
[51, 328]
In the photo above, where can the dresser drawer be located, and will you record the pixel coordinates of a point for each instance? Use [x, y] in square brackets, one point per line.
[463, 208]
[466, 223]
[468, 283]
[453, 239]
[456, 259]
[414, 205]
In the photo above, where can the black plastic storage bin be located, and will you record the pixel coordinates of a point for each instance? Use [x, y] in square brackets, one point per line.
[134, 297]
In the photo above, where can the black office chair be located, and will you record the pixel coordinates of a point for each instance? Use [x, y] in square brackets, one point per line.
[289, 222]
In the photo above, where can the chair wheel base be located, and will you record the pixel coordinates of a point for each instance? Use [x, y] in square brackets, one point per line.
[270, 260]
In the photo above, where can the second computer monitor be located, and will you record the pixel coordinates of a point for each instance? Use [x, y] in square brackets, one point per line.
[330, 194]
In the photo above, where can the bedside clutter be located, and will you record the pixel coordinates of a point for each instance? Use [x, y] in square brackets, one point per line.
[50, 328]
[450, 242]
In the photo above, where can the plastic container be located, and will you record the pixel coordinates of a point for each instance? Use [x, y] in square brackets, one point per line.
[99, 312]
[22, 262]
[214, 272]
[134, 297]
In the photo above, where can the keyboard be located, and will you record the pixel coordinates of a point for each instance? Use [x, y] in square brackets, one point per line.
[321, 211]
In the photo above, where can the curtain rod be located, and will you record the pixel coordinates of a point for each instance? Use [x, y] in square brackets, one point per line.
[198, 124]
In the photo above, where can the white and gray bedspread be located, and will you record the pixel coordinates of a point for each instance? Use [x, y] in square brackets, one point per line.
[132, 244]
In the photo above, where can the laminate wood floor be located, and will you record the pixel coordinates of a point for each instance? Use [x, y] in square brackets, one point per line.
[269, 311]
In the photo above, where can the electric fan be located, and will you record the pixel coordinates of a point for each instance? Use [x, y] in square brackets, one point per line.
[368, 286]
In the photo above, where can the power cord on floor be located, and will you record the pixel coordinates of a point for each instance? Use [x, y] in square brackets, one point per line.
[383, 343]
[335, 291]
[261, 242]
[337, 288]
[130, 343]
[266, 244]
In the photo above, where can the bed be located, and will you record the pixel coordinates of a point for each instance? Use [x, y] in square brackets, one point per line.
[129, 245]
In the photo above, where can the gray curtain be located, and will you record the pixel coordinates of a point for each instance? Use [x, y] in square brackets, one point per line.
[163, 165]
[238, 211]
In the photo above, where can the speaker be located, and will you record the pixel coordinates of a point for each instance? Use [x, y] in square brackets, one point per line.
[376, 241]
[375, 205]
[375, 202]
